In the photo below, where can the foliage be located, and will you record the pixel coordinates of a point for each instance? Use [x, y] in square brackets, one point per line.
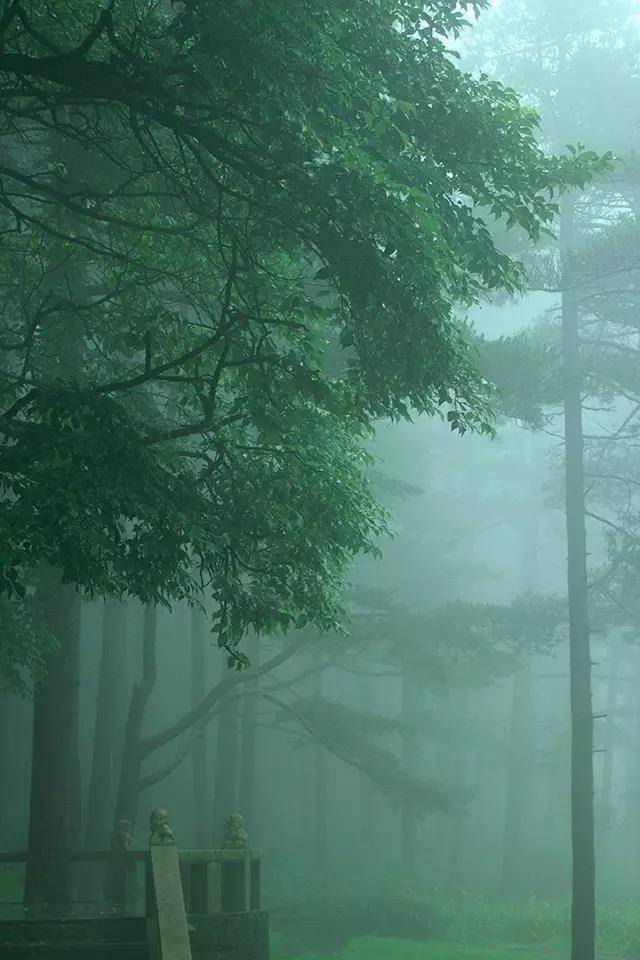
[525, 42]
[353, 736]
[520, 367]
[451, 647]
[464, 642]
[197, 201]
[528, 42]
[387, 948]
[603, 270]
[24, 643]
[456, 926]
[379, 914]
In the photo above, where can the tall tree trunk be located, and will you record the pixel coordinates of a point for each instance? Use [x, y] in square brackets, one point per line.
[55, 802]
[54, 751]
[320, 838]
[75, 833]
[604, 831]
[368, 696]
[458, 826]
[552, 830]
[583, 921]
[635, 774]
[248, 744]
[514, 878]
[225, 797]
[606, 799]
[199, 751]
[15, 742]
[412, 703]
[131, 766]
[107, 729]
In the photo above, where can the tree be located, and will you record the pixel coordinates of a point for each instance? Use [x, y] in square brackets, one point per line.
[526, 43]
[214, 227]
[247, 792]
[583, 911]
[54, 753]
[225, 797]
[458, 645]
[199, 753]
[107, 734]
[180, 244]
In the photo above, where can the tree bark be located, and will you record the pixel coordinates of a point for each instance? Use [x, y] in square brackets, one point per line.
[225, 797]
[412, 703]
[368, 696]
[459, 826]
[132, 756]
[226, 691]
[635, 774]
[320, 850]
[107, 730]
[583, 921]
[604, 832]
[199, 751]
[248, 744]
[54, 751]
[55, 801]
[76, 823]
[15, 742]
[514, 878]
[197, 714]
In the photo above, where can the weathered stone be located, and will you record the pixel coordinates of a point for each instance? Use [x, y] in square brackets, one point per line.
[159, 829]
[235, 936]
[235, 833]
[86, 939]
[167, 925]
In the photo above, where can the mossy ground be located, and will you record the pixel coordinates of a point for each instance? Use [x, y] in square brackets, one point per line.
[430, 926]
[382, 948]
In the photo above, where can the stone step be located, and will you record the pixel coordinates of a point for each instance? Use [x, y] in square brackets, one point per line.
[97, 938]
[73, 930]
[105, 950]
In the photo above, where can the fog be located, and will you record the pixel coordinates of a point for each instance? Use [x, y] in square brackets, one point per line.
[395, 725]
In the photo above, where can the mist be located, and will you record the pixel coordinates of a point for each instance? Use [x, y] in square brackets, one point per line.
[319, 468]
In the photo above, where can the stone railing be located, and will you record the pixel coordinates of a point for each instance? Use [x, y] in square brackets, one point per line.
[220, 881]
[205, 900]
[167, 927]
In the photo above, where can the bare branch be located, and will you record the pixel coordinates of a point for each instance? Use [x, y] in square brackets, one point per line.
[197, 712]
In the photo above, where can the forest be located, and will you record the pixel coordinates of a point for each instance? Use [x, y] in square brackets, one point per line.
[320, 473]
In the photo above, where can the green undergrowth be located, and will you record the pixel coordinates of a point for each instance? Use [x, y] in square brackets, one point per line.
[461, 926]
[381, 948]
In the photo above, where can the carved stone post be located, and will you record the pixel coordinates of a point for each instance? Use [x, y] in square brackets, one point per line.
[119, 867]
[167, 928]
[235, 893]
[159, 832]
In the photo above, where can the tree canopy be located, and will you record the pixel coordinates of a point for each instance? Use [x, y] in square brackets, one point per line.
[234, 235]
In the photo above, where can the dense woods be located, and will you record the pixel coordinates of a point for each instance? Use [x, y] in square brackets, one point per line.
[318, 457]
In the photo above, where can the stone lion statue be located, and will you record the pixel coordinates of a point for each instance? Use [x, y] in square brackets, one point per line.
[159, 826]
[122, 834]
[235, 832]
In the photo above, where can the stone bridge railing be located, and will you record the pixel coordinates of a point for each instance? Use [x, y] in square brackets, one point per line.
[221, 881]
[219, 889]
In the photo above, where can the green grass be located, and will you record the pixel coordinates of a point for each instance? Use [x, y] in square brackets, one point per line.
[380, 948]
[455, 928]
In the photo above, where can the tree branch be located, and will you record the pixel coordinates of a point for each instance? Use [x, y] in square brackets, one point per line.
[197, 712]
